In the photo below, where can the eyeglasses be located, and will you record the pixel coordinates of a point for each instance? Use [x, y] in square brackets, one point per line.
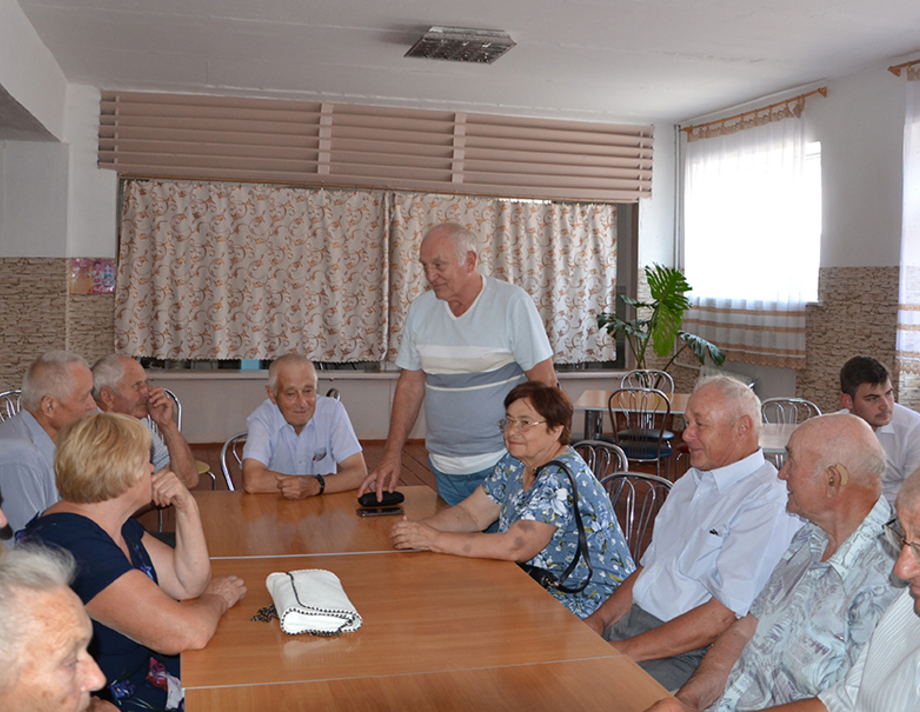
[897, 539]
[523, 425]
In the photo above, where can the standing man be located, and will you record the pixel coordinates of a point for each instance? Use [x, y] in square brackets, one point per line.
[299, 443]
[120, 386]
[866, 391]
[718, 537]
[57, 388]
[467, 342]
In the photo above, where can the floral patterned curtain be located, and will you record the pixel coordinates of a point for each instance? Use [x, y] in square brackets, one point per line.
[219, 271]
[212, 271]
[563, 255]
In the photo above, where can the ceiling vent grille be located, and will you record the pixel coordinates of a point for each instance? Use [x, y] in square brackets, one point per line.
[462, 44]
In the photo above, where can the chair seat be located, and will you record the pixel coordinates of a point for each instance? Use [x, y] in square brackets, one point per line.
[645, 451]
[644, 434]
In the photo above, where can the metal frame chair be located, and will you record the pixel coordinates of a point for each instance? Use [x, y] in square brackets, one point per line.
[232, 448]
[788, 411]
[636, 499]
[649, 378]
[640, 418]
[602, 457]
[10, 404]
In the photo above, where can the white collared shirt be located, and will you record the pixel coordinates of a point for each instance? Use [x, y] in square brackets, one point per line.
[719, 533]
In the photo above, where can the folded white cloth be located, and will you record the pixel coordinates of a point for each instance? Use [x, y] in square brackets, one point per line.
[312, 601]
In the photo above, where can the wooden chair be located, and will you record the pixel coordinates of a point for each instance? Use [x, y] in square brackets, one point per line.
[636, 499]
[231, 459]
[602, 457]
[640, 418]
[10, 404]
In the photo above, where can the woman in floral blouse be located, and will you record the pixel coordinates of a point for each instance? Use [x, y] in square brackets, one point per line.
[534, 508]
[129, 581]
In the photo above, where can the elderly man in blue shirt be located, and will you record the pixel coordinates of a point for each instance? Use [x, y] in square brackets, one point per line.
[828, 592]
[299, 443]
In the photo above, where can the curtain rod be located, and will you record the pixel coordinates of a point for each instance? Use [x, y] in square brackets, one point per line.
[822, 91]
[896, 69]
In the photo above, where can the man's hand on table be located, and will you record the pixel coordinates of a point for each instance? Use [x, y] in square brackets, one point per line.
[292, 487]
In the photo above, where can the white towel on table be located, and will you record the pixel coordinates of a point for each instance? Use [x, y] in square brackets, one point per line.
[312, 601]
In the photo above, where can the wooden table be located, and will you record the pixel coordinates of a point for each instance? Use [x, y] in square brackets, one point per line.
[454, 630]
[594, 404]
[239, 524]
[439, 633]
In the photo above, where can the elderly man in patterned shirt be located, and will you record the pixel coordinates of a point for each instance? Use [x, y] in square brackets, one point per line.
[828, 592]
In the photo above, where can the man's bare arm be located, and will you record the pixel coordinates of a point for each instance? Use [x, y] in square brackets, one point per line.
[407, 401]
[708, 682]
[694, 629]
[543, 372]
[615, 607]
[181, 461]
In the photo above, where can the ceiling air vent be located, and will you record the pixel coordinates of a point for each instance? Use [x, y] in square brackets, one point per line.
[462, 44]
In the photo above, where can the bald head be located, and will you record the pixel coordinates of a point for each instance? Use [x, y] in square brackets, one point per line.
[844, 439]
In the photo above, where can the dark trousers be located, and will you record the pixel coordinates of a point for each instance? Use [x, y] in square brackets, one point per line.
[671, 673]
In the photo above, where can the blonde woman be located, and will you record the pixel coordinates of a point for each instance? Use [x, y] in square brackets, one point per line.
[129, 581]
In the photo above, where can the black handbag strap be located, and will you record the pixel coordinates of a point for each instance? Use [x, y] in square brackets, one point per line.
[582, 551]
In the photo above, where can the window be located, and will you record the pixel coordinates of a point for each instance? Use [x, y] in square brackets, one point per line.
[752, 236]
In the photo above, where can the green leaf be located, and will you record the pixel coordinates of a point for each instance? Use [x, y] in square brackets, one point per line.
[702, 348]
[667, 286]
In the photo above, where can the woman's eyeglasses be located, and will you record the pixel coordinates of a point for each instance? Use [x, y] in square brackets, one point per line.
[523, 424]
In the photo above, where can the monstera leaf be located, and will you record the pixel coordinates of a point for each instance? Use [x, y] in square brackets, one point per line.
[667, 286]
[659, 322]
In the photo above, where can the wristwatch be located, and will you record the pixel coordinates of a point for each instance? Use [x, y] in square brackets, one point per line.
[322, 483]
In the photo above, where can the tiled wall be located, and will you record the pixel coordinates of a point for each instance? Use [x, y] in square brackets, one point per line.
[38, 314]
[858, 314]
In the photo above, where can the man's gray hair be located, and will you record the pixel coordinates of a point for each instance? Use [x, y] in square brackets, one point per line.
[740, 399]
[107, 372]
[48, 376]
[24, 571]
[291, 359]
[463, 239]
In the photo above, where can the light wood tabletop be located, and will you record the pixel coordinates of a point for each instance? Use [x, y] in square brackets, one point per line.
[613, 684]
[240, 524]
[422, 613]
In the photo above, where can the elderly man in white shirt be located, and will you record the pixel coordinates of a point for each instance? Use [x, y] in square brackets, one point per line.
[886, 676]
[866, 392]
[720, 533]
[299, 443]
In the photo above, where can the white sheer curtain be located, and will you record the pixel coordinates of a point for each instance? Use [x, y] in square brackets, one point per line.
[752, 215]
[908, 347]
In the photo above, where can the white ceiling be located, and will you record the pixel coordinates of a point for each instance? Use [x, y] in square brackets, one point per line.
[629, 61]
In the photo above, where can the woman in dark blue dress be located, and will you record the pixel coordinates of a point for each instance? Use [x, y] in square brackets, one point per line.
[129, 581]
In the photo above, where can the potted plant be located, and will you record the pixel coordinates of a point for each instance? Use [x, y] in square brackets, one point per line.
[659, 321]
